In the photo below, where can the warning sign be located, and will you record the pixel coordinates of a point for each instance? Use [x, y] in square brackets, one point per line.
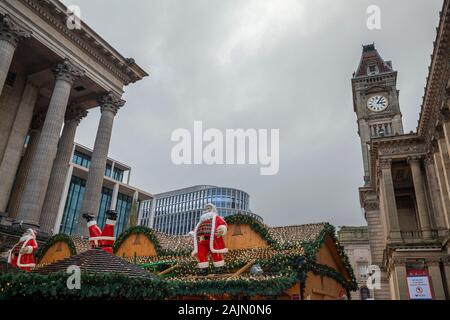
[419, 288]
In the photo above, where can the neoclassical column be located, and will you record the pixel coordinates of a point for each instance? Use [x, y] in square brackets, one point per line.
[437, 204]
[389, 202]
[11, 32]
[25, 164]
[36, 186]
[58, 176]
[444, 156]
[421, 198]
[443, 189]
[400, 283]
[444, 129]
[109, 104]
[437, 282]
[15, 145]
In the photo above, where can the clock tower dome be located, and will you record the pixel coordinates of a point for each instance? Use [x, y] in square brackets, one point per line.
[375, 101]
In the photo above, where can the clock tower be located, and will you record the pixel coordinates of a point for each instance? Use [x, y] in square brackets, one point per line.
[375, 101]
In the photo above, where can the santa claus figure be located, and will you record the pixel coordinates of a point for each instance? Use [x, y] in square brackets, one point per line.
[208, 240]
[103, 239]
[21, 255]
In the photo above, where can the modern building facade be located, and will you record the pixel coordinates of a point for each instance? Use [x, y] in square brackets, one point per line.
[406, 196]
[355, 241]
[117, 194]
[177, 212]
[51, 73]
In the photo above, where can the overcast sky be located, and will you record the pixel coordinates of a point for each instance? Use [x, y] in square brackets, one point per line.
[263, 64]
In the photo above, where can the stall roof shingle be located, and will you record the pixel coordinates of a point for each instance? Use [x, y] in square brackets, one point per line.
[96, 261]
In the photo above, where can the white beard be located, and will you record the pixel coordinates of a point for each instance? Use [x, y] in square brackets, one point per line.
[206, 216]
[26, 236]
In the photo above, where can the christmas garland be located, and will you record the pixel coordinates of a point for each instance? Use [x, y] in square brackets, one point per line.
[246, 286]
[50, 242]
[311, 249]
[254, 224]
[53, 286]
[114, 286]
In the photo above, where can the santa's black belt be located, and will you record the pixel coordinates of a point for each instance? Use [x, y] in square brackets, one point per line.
[202, 238]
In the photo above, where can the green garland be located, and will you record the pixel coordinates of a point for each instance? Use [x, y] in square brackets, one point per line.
[50, 242]
[114, 286]
[254, 224]
[311, 249]
[251, 286]
[149, 233]
[93, 286]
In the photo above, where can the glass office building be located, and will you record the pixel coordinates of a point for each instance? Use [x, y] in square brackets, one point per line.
[177, 212]
[114, 176]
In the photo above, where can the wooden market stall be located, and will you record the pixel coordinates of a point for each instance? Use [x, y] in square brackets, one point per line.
[292, 262]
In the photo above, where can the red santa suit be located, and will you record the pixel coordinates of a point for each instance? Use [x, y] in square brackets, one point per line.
[208, 239]
[102, 238]
[21, 255]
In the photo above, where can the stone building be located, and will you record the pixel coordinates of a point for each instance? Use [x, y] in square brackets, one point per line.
[406, 196]
[355, 241]
[51, 73]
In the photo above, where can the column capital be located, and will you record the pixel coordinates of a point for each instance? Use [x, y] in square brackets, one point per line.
[110, 102]
[75, 113]
[385, 164]
[68, 71]
[12, 31]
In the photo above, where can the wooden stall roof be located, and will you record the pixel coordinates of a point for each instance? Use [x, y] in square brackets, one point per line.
[96, 261]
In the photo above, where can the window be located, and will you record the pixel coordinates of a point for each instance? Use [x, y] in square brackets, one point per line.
[108, 170]
[81, 159]
[373, 69]
[118, 175]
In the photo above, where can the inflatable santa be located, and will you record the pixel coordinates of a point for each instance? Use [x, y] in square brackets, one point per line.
[103, 239]
[208, 239]
[21, 255]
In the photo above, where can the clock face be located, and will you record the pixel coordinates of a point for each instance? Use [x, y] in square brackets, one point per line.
[377, 103]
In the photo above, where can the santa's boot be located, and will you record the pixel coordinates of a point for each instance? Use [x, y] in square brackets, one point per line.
[88, 217]
[108, 231]
[94, 230]
[111, 214]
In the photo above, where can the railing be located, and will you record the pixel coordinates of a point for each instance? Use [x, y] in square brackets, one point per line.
[417, 234]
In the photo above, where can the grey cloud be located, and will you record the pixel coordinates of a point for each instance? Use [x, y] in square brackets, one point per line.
[257, 64]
